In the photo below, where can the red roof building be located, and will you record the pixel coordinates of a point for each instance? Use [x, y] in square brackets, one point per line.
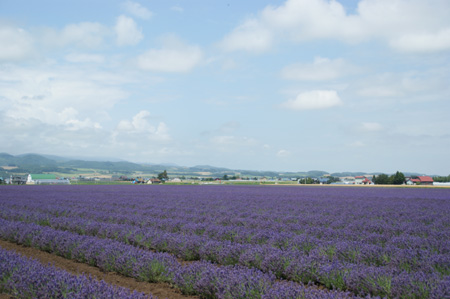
[426, 180]
[366, 181]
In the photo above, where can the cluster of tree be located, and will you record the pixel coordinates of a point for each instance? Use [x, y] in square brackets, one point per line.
[442, 179]
[163, 176]
[231, 177]
[383, 179]
[308, 181]
[326, 180]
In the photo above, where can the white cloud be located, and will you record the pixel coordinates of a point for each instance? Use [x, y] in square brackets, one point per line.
[84, 58]
[250, 36]
[229, 64]
[233, 140]
[229, 127]
[16, 43]
[408, 86]
[283, 153]
[357, 144]
[65, 139]
[140, 126]
[406, 25]
[315, 99]
[233, 144]
[127, 32]
[308, 19]
[46, 94]
[177, 8]
[69, 117]
[175, 56]
[87, 35]
[137, 10]
[371, 127]
[320, 69]
[423, 42]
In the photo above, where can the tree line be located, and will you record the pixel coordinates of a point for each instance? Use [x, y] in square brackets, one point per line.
[442, 179]
[383, 179]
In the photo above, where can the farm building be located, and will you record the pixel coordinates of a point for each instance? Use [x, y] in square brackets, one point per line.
[421, 180]
[426, 180]
[154, 181]
[48, 179]
[366, 181]
[410, 181]
[359, 179]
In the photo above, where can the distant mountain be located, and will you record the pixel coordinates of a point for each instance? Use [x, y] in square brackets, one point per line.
[348, 173]
[26, 159]
[35, 163]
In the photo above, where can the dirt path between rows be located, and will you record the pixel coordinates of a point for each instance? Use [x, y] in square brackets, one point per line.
[161, 290]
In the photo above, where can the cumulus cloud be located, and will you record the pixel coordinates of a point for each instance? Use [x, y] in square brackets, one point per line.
[357, 143]
[403, 85]
[283, 153]
[88, 35]
[315, 99]
[177, 8]
[140, 125]
[423, 42]
[233, 140]
[406, 25]
[233, 143]
[127, 32]
[29, 135]
[371, 127]
[250, 36]
[84, 58]
[175, 56]
[306, 19]
[137, 10]
[46, 94]
[320, 69]
[16, 43]
[69, 117]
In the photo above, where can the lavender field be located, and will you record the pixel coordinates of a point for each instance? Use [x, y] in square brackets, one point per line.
[245, 241]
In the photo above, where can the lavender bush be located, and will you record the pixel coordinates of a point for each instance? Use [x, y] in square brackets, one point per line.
[22, 277]
[383, 242]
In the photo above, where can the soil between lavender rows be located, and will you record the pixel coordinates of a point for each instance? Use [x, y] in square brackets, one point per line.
[160, 290]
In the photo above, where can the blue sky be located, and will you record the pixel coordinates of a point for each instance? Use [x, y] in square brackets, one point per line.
[290, 85]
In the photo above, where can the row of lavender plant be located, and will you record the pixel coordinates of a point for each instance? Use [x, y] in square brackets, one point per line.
[23, 277]
[344, 255]
[405, 232]
[308, 220]
[391, 220]
[201, 278]
[354, 257]
[376, 233]
[356, 250]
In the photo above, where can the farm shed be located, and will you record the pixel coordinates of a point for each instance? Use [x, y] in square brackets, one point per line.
[48, 179]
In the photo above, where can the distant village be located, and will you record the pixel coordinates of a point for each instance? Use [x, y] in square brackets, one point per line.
[162, 178]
